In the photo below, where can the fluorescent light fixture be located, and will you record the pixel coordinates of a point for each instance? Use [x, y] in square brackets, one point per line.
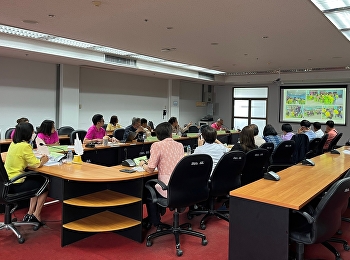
[98, 48]
[338, 12]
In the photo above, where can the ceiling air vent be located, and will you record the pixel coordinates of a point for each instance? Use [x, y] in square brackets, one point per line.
[119, 60]
[208, 76]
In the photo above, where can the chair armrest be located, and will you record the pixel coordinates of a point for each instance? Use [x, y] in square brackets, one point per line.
[306, 215]
[30, 173]
[150, 185]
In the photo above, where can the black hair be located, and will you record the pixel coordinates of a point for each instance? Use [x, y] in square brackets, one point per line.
[22, 120]
[114, 120]
[209, 134]
[135, 120]
[172, 120]
[269, 130]
[287, 128]
[96, 118]
[330, 123]
[246, 137]
[305, 123]
[317, 125]
[255, 129]
[46, 127]
[163, 130]
[143, 121]
[24, 132]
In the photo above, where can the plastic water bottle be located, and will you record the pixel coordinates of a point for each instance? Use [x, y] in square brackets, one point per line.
[144, 137]
[188, 150]
[69, 156]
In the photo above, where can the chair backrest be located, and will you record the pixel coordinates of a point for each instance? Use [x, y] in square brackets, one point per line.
[301, 147]
[3, 179]
[193, 129]
[329, 210]
[334, 141]
[188, 183]
[283, 153]
[313, 144]
[119, 133]
[268, 146]
[65, 130]
[256, 161]
[319, 149]
[226, 175]
[104, 126]
[81, 135]
[8, 133]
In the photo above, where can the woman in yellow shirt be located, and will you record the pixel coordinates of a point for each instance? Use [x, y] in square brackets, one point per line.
[113, 124]
[19, 156]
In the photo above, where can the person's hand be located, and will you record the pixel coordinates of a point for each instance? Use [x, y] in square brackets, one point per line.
[200, 140]
[113, 140]
[44, 159]
[189, 124]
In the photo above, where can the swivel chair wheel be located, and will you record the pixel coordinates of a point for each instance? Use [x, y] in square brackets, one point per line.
[189, 228]
[35, 228]
[148, 243]
[189, 216]
[179, 252]
[338, 258]
[21, 240]
[346, 247]
[203, 226]
[204, 242]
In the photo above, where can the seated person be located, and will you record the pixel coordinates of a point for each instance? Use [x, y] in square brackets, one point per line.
[134, 127]
[218, 125]
[317, 129]
[164, 155]
[20, 120]
[19, 156]
[96, 132]
[246, 140]
[258, 140]
[287, 132]
[305, 129]
[270, 135]
[330, 130]
[113, 124]
[176, 128]
[146, 128]
[48, 133]
[208, 144]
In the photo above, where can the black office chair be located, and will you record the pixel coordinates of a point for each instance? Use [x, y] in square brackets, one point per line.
[10, 200]
[225, 177]
[188, 185]
[283, 153]
[319, 149]
[81, 135]
[9, 132]
[119, 133]
[313, 144]
[65, 130]
[318, 225]
[301, 147]
[193, 129]
[253, 170]
[333, 143]
[269, 147]
[104, 126]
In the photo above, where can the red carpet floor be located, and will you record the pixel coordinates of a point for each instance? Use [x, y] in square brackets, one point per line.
[45, 243]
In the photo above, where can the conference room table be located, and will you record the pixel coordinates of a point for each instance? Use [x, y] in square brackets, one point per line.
[259, 212]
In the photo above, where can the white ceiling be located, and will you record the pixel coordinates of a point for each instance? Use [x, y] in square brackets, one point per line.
[299, 36]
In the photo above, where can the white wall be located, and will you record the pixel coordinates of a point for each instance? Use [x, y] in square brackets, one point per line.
[27, 89]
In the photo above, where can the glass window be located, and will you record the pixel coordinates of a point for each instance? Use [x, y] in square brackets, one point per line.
[241, 108]
[258, 108]
[250, 92]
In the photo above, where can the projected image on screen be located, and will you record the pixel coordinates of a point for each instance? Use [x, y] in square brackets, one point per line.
[313, 104]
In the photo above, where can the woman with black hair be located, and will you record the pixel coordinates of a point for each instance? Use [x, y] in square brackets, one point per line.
[246, 140]
[47, 132]
[19, 156]
[270, 135]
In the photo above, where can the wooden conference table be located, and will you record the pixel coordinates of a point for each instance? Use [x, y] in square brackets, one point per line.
[259, 212]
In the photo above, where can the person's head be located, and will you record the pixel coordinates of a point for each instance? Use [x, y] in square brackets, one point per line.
[47, 127]
[305, 124]
[22, 120]
[329, 125]
[136, 122]
[98, 120]
[114, 120]
[255, 129]
[269, 130]
[246, 138]
[220, 122]
[163, 131]
[24, 132]
[173, 121]
[317, 126]
[209, 134]
[287, 128]
[143, 122]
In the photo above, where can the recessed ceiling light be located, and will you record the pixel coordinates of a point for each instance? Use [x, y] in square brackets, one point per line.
[30, 21]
